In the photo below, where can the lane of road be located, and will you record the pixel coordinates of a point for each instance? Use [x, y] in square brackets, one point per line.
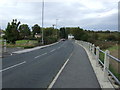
[18, 58]
[35, 69]
[78, 73]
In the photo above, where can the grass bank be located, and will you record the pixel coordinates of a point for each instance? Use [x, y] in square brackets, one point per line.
[24, 44]
[114, 65]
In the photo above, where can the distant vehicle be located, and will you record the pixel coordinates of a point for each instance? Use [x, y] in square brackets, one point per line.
[70, 36]
[63, 39]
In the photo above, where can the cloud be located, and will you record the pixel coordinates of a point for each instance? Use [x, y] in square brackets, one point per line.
[89, 14]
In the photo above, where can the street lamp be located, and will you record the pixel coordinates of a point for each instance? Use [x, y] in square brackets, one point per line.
[56, 28]
[53, 25]
[56, 22]
[42, 20]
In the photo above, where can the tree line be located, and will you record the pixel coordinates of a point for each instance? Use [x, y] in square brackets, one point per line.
[17, 31]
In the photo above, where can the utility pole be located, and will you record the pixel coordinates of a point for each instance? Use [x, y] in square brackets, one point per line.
[56, 28]
[42, 21]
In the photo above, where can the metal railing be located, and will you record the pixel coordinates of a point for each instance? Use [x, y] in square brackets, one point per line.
[105, 63]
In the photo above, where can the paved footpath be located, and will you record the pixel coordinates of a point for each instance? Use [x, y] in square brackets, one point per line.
[78, 72]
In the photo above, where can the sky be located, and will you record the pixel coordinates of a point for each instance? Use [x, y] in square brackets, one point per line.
[87, 14]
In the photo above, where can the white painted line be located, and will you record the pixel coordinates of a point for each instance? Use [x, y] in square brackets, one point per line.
[58, 47]
[41, 55]
[53, 50]
[13, 66]
[58, 74]
[44, 54]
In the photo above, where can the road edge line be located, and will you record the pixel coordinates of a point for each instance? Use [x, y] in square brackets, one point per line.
[58, 74]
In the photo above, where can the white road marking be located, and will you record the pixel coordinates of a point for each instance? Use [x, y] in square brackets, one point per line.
[13, 66]
[53, 50]
[41, 55]
[58, 47]
[58, 74]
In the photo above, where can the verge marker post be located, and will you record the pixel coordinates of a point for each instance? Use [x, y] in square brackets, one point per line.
[106, 65]
[4, 45]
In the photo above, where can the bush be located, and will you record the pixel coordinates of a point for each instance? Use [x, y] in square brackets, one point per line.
[49, 40]
[111, 38]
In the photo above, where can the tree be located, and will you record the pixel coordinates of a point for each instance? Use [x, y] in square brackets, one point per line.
[36, 29]
[63, 33]
[24, 31]
[11, 33]
[49, 31]
[111, 37]
[78, 33]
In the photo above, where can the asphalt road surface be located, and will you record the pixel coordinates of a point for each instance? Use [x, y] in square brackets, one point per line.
[37, 69]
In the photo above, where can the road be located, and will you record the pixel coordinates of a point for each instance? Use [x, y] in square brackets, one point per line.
[37, 69]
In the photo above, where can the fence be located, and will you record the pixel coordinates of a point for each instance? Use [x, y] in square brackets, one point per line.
[104, 62]
[2, 46]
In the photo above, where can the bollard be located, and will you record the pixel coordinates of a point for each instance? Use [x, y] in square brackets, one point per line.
[97, 56]
[106, 65]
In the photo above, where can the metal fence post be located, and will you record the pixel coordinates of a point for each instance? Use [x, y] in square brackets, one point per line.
[93, 49]
[97, 56]
[106, 65]
[90, 47]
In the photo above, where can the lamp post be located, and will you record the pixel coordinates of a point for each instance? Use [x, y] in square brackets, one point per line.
[42, 21]
[56, 28]
[56, 22]
[53, 25]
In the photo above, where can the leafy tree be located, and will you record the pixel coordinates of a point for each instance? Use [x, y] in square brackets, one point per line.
[49, 35]
[111, 38]
[63, 33]
[11, 33]
[24, 31]
[49, 31]
[78, 33]
[36, 29]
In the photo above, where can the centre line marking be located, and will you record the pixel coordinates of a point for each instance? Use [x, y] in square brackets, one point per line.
[53, 50]
[58, 47]
[13, 66]
[40, 55]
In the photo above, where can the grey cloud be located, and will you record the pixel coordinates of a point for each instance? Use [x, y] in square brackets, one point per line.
[69, 14]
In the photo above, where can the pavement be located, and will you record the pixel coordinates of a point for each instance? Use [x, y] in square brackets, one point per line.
[99, 71]
[38, 68]
[19, 50]
[31, 49]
